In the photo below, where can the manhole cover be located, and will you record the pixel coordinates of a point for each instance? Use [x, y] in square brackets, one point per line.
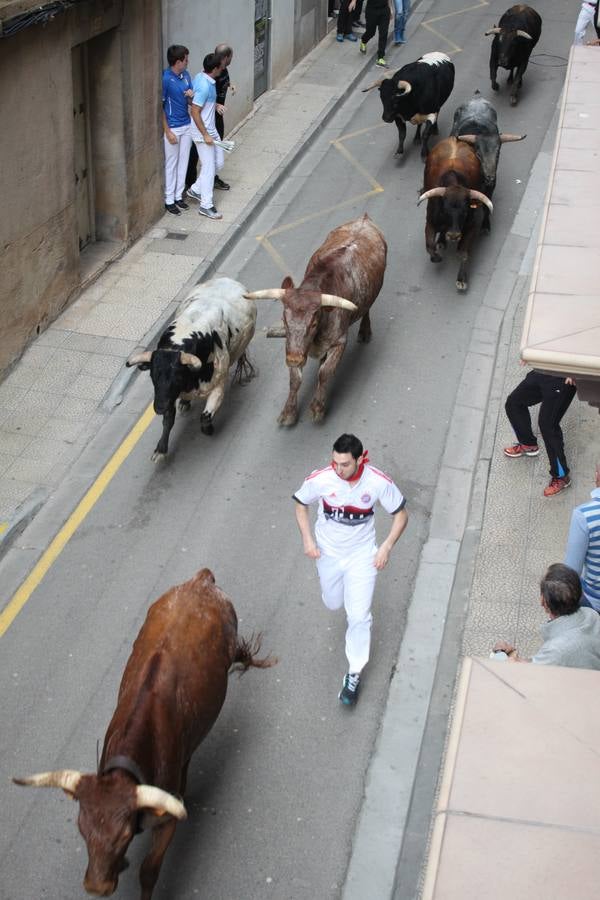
[546, 59]
[176, 235]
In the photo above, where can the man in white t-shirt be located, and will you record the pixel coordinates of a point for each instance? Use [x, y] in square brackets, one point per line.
[204, 132]
[345, 551]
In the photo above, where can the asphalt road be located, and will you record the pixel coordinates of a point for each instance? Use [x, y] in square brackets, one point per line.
[274, 792]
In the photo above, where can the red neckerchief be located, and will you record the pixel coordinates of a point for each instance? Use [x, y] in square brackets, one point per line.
[358, 474]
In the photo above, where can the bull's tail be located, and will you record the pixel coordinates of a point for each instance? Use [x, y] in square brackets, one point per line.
[244, 370]
[245, 655]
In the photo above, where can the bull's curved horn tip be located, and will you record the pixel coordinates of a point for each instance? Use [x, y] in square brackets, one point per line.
[269, 294]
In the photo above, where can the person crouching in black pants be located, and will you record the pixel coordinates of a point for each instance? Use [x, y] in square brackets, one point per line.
[555, 394]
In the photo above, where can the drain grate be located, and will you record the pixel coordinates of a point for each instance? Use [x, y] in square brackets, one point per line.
[176, 235]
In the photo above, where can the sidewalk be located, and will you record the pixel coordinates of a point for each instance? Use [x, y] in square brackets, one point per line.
[69, 380]
[523, 532]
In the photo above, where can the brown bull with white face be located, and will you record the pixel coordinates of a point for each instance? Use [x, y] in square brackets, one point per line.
[171, 693]
[341, 283]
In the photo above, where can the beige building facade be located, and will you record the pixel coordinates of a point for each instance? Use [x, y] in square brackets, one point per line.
[81, 149]
[81, 164]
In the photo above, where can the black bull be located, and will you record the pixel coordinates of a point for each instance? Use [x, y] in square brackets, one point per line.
[515, 36]
[415, 94]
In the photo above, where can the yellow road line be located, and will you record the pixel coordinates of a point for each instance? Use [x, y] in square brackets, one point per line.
[274, 254]
[318, 215]
[359, 168]
[353, 134]
[51, 554]
[442, 37]
[457, 12]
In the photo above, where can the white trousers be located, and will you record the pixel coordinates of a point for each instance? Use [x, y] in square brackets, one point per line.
[176, 162]
[586, 15]
[350, 582]
[211, 160]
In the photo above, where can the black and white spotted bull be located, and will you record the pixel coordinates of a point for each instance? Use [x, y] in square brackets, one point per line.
[196, 351]
[415, 94]
[515, 36]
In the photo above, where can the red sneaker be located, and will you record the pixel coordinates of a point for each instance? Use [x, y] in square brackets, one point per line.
[516, 450]
[557, 485]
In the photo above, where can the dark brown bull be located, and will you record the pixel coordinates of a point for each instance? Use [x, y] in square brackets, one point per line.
[341, 283]
[171, 693]
[455, 201]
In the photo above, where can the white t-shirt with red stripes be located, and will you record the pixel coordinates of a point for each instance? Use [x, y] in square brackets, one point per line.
[345, 522]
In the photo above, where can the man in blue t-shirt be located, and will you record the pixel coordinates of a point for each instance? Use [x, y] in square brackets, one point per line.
[177, 93]
[204, 133]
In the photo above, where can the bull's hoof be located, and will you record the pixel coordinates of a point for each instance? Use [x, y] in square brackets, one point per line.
[207, 427]
[184, 407]
[317, 412]
[287, 419]
[436, 258]
[399, 153]
[461, 286]
[495, 86]
[513, 99]
[364, 338]
[158, 456]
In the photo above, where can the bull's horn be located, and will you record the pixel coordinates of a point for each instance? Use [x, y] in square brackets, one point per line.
[161, 802]
[507, 138]
[467, 138]
[188, 359]
[271, 294]
[67, 779]
[524, 34]
[477, 195]
[406, 86]
[138, 358]
[434, 192]
[494, 30]
[340, 302]
[375, 84]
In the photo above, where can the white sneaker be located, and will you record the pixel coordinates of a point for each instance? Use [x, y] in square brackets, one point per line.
[211, 213]
[192, 193]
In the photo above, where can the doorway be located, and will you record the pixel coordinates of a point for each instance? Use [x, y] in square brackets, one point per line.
[82, 173]
[262, 20]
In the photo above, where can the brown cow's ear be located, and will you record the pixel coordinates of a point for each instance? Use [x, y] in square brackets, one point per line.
[288, 283]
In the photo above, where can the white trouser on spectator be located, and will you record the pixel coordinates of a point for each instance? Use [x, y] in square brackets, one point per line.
[586, 15]
[211, 161]
[176, 162]
[350, 582]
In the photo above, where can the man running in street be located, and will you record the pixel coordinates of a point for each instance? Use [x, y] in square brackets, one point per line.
[344, 547]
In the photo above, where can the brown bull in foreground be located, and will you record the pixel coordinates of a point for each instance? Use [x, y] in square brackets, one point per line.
[171, 693]
[456, 204]
[341, 283]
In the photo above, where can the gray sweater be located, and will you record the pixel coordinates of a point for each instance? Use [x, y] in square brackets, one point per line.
[571, 641]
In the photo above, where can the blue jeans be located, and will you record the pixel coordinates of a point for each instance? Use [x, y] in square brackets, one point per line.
[402, 9]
